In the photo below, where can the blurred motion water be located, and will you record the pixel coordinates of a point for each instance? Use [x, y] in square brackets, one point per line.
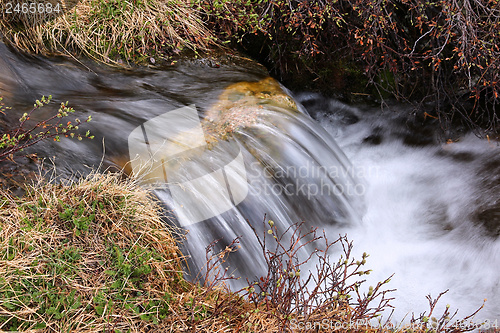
[428, 212]
[433, 210]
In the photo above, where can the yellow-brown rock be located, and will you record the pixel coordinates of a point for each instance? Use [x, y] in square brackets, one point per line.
[240, 104]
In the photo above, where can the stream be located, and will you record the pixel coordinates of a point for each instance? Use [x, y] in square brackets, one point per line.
[425, 210]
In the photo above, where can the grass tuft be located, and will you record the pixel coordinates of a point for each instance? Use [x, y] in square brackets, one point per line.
[86, 256]
[112, 31]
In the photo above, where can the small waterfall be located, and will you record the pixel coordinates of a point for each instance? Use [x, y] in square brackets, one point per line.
[250, 155]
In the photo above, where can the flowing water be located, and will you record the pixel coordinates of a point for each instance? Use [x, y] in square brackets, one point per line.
[428, 212]
[433, 214]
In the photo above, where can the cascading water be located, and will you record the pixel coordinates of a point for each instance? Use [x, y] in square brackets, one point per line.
[282, 175]
[427, 213]
[433, 210]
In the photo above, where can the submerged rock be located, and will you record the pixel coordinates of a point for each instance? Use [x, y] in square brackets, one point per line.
[239, 105]
[490, 220]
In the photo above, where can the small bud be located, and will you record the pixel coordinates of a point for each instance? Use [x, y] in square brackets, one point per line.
[24, 117]
[269, 231]
[271, 223]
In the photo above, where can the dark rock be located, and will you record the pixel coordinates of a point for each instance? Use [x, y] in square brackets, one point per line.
[457, 156]
[490, 220]
[417, 139]
[373, 139]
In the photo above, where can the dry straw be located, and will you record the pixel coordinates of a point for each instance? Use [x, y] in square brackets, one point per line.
[84, 256]
[110, 31]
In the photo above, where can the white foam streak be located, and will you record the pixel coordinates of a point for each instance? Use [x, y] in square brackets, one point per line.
[417, 224]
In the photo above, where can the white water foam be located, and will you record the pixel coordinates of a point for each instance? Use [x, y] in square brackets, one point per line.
[418, 225]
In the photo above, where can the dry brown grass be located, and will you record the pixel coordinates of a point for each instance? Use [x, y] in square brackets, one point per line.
[86, 256]
[112, 31]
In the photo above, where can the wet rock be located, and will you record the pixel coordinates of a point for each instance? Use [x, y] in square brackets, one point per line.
[375, 138]
[417, 140]
[317, 105]
[13, 175]
[419, 133]
[457, 156]
[240, 104]
[490, 220]
[488, 196]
